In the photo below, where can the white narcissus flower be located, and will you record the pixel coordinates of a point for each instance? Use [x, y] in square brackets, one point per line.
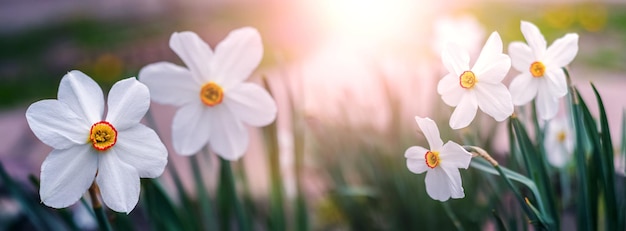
[542, 76]
[213, 99]
[116, 150]
[559, 142]
[441, 161]
[479, 87]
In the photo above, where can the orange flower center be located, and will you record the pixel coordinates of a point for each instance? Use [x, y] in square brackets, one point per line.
[537, 69]
[211, 94]
[561, 136]
[102, 135]
[432, 159]
[467, 80]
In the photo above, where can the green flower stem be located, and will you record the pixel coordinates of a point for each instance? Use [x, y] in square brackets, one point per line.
[207, 217]
[228, 199]
[535, 217]
[455, 220]
[101, 217]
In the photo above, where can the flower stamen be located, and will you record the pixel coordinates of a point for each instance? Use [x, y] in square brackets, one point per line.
[102, 135]
[561, 136]
[467, 79]
[537, 69]
[211, 94]
[432, 159]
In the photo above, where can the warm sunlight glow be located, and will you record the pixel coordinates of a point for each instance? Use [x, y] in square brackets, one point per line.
[370, 20]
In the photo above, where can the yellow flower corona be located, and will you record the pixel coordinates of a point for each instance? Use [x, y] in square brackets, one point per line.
[468, 79]
[561, 136]
[537, 69]
[102, 135]
[211, 94]
[432, 159]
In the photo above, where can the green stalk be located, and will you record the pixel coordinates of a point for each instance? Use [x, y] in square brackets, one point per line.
[450, 213]
[277, 211]
[101, 217]
[228, 197]
[207, 217]
[585, 215]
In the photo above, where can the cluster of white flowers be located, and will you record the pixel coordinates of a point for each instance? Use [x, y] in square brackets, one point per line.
[541, 77]
[116, 151]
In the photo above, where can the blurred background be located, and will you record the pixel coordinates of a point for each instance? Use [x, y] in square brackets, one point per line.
[348, 77]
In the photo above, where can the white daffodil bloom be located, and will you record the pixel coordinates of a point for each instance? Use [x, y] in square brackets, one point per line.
[116, 150]
[441, 163]
[479, 87]
[542, 76]
[559, 142]
[213, 99]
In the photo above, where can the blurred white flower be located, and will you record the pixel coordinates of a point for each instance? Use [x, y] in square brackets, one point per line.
[213, 99]
[559, 142]
[464, 30]
[479, 87]
[441, 161]
[116, 151]
[541, 70]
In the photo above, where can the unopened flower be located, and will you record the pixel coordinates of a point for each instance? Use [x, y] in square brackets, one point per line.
[213, 99]
[479, 87]
[559, 142]
[116, 150]
[542, 76]
[441, 162]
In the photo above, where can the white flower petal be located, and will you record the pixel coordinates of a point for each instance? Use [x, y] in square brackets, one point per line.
[437, 184]
[495, 70]
[535, 39]
[449, 87]
[67, 174]
[415, 161]
[229, 137]
[464, 112]
[56, 125]
[118, 182]
[455, 59]
[523, 89]
[252, 104]
[521, 56]
[194, 52]
[491, 65]
[170, 84]
[191, 128]
[452, 155]
[236, 57]
[495, 100]
[556, 82]
[547, 105]
[455, 184]
[128, 101]
[82, 95]
[140, 147]
[431, 132]
[562, 51]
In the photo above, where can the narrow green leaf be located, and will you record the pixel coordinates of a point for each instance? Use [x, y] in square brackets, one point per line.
[159, 207]
[499, 223]
[452, 216]
[536, 167]
[586, 219]
[607, 167]
[207, 217]
[277, 213]
[228, 200]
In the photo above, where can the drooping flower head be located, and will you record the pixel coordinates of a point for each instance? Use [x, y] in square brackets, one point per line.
[441, 162]
[542, 77]
[481, 86]
[116, 150]
[559, 142]
[213, 99]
